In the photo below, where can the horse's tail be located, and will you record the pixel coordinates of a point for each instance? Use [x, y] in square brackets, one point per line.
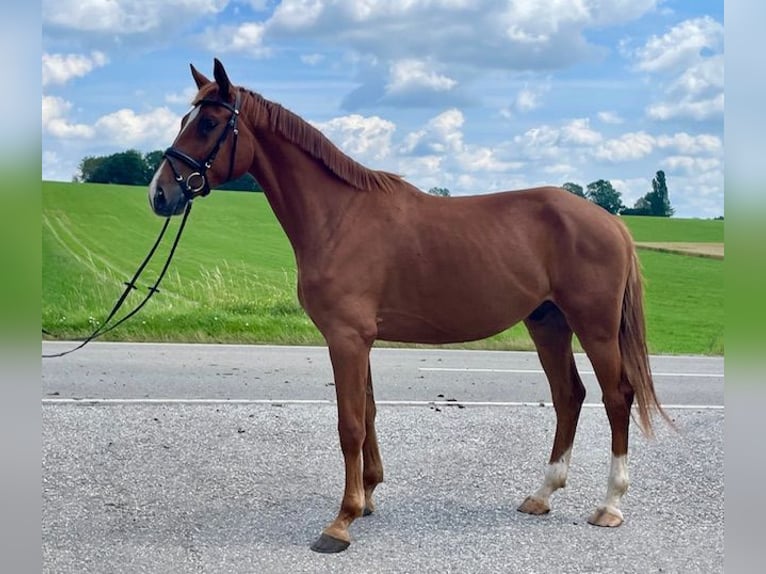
[636, 371]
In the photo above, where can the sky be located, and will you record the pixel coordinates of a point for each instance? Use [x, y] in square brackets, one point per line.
[472, 95]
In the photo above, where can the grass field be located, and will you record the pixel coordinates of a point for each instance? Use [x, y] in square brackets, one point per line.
[233, 276]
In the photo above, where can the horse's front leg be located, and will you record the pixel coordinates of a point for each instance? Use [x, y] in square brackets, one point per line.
[350, 355]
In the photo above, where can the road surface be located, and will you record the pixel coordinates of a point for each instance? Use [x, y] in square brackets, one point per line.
[208, 458]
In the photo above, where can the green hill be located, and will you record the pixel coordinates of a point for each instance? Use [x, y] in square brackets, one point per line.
[233, 276]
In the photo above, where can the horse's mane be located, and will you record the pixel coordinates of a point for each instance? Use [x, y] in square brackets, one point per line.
[298, 131]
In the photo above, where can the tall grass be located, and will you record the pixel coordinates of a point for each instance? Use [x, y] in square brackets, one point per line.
[233, 277]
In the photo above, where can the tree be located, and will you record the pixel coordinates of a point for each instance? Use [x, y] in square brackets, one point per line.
[88, 166]
[125, 168]
[659, 204]
[655, 202]
[574, 188]
[602, 193]
[440, 191]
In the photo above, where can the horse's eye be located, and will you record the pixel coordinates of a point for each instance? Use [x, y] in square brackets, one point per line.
[206, 125]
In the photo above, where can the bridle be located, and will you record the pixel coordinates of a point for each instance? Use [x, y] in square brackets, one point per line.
[196, 183]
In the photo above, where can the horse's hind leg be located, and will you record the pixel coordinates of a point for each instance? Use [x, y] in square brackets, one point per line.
[606, 359]
[553, 339]
[373, 465]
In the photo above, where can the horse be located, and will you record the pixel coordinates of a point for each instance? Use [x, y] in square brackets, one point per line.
[378, 259]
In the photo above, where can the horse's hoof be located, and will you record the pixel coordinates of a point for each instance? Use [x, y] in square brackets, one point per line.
[534, 505]
[327, 544]
[607, 516]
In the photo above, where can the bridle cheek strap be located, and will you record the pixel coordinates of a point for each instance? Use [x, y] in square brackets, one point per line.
[196, 183]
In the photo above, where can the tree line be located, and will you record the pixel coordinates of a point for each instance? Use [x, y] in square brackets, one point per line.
[602, 193]
[131, 167]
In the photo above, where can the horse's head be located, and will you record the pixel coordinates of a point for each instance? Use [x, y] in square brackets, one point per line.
[207, 151]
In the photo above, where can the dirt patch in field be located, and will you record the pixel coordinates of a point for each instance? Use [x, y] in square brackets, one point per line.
[714, 250]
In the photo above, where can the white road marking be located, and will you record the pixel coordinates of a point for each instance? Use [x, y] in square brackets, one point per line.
[541, 372]
[390, 403]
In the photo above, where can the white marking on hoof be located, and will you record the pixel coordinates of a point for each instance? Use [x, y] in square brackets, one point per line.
[555, 478]
[609, 513]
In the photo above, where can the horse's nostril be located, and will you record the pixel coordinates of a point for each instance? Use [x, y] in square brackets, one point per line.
[159, 198]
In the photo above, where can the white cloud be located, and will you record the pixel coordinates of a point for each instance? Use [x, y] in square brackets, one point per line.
[121, 17]
[359, 136]
[126, 128]
[60, 68]
[689, 66]
[412, 75]
[461, 39]
[701, 78]
[441, 134]
[628, 147]
[609, 117]
[681, 46]
[687, 108]
[539, 143]
[55, 122]
[247, 38]
[691, 165]
[578, 131]
[530, 98]
[691, 144]
[122, 129]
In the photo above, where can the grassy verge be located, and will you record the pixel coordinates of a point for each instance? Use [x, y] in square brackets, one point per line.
[233, 277]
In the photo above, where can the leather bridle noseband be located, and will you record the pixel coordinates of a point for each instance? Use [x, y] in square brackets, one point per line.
[197, 176]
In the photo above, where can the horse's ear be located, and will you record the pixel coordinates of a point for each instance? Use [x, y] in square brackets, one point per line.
[224, 85]
[199, 78]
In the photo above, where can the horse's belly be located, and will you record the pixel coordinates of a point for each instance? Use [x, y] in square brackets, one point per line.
[452, 324]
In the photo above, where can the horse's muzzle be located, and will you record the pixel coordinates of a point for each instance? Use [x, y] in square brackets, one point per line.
[165, 207]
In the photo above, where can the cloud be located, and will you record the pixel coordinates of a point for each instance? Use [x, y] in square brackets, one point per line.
[466, 38]
[441, 134]
[628, 147]
[578, 132]
[691, 144]
[691, 165]
[681, 47]
[126, 128]
[410, 75]
[55, 122]
[688, 108]
[121, 129]
[689, 67]
[58, 69]
[247, 38]
[527, 99]
[125, 18]
[359, 136]
[609, 117]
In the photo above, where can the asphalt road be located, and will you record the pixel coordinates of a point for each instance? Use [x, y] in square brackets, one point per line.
[204, 458]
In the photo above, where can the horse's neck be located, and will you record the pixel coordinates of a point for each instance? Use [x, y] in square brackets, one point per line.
[306, 197]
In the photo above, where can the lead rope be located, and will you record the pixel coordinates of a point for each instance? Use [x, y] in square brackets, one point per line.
[130, 285]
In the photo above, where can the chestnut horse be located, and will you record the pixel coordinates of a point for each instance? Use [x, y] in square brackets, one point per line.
[380, 260]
